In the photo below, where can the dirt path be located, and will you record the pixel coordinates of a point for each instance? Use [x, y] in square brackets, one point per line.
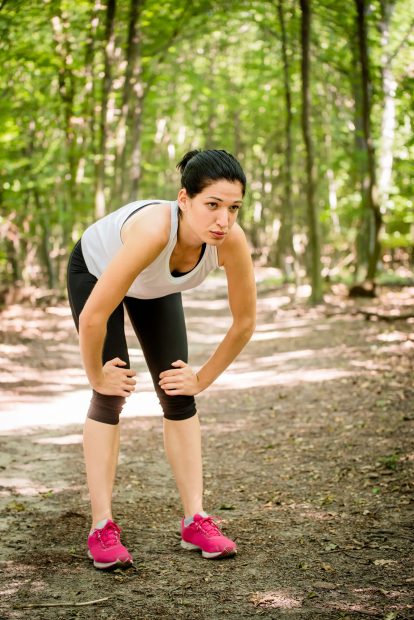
[308, 459]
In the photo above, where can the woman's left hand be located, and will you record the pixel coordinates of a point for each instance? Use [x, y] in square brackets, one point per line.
[180, 380]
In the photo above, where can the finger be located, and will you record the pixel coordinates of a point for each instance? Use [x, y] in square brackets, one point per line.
[129, 372]
[128, 383]
[170, 386]
[172, 376]
[117, 361]
[130, 380]
[121, 392]
[179, 364]
[175, 392]
[128, 388]
[168, 373]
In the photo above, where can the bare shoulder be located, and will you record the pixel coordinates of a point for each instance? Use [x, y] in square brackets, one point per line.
[234, 246]
[143, 241]
[153, 221]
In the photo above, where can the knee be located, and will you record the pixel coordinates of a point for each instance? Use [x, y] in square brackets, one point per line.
[105, 408]
[178, 407]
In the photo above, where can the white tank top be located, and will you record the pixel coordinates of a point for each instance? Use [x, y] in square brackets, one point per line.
[102, 240]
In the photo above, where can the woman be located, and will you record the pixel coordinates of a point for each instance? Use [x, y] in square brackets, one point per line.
[142, 256]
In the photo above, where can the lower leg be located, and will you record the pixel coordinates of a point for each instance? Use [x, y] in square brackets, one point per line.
[101, 448]
[182, 442]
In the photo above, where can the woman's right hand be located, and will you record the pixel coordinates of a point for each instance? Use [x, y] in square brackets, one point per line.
[116, 381]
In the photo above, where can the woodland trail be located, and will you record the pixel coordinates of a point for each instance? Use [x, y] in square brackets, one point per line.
[308, 458]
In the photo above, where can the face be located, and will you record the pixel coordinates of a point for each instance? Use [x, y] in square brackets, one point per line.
[209, 216]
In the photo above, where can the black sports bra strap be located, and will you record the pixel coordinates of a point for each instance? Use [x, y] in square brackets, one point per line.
[139, 209]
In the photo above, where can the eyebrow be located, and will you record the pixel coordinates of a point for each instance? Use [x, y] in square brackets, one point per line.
[221, 200]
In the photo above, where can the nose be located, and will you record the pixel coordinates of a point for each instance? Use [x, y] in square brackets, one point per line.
[223, 218]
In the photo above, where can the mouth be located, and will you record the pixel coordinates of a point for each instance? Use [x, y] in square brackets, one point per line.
[217, 234]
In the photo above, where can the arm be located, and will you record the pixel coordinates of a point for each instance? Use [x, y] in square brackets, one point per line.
[110, 290]
[237, 262]
[242, 301]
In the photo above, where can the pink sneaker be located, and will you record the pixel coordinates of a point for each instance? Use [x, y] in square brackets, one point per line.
[204, 534]
[105, 547]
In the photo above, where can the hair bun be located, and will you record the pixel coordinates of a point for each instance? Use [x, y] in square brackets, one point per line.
[182, 164]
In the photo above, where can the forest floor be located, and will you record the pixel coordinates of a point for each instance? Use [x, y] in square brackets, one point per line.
[308, 458]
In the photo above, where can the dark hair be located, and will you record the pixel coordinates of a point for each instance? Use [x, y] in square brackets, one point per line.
[199, 169]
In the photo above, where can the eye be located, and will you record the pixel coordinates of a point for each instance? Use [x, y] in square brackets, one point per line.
[234, 208]
[212, 205]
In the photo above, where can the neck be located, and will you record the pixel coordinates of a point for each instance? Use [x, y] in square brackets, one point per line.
[186, 239]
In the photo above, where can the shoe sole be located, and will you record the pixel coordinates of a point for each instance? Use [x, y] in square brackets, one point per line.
[108, 565]
[226, 553]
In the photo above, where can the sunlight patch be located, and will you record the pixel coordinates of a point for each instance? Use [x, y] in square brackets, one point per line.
[270, 377]
[13, 349]
[66, 439]
[355, 607]
[273, 303]
[394, 336]
[24, 486]
[277, 335]
[278, 599]
[71, 408]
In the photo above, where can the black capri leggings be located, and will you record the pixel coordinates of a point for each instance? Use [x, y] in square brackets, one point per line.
[160, 327]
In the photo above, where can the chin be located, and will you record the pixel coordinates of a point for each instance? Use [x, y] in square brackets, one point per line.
[216, 242]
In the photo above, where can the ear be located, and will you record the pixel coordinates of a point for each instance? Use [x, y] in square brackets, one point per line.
[182, 199]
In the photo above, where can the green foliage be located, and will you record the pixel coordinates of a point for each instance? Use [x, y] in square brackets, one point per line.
[210, 74]
[390, 461]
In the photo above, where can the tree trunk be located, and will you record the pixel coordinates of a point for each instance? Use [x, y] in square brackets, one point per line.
[136, 109]
[360, 169]
[389, 86]
[10, 236]
[129, 92]
[109, 46]
[286, 254]
[44, 245]
[87, 133]
[135, 170]
[313, 222]
[369, 183]
[330, 177]
[66, 79]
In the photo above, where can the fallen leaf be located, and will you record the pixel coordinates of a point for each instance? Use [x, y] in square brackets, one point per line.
[327, 567]
[328, 499]
[15, 507]
[384, 562]
[324, 585]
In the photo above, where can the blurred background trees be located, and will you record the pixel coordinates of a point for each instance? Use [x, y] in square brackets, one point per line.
[100, 99]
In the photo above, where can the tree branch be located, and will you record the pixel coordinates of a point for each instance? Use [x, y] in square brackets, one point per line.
[384, 317]
[402, 43]
[98, 600]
